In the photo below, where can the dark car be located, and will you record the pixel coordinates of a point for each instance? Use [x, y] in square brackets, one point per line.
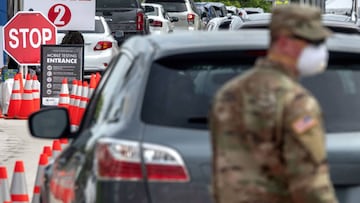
[220, 8]
[207, 11]
[145, 138]
[126, 18]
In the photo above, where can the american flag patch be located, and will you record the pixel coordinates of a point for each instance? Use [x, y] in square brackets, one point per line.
[303, 124]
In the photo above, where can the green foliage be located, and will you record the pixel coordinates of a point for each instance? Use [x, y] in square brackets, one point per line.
[264, 4]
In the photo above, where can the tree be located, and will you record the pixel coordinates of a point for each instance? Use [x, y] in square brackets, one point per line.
[264, 4]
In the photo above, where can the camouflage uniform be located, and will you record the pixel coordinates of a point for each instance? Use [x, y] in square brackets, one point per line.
[268, 140]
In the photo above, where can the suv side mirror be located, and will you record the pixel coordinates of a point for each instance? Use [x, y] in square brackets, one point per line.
[50, 123]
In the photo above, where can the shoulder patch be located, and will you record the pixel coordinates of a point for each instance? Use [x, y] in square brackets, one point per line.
[303, 124]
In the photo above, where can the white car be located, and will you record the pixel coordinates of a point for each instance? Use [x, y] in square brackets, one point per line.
[230, 22]
[159, 21]
[100, 46]
[188, 16]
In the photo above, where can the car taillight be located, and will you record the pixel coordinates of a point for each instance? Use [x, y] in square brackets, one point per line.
[164, 164]
[140, 21]
[156, 23]
[191, 18]
[102, 45]
[120, 159]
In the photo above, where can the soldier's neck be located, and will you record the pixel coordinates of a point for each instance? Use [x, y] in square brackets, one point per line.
[288, 63]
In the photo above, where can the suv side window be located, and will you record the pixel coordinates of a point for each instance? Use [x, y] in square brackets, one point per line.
[114, 82]
[194, 8]
[213, 12]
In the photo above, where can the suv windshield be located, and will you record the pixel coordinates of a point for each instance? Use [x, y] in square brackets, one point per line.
[116, 4]
[180, 94]
[171, 5]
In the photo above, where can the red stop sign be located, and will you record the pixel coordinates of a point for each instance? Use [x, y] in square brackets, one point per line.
[25, 33]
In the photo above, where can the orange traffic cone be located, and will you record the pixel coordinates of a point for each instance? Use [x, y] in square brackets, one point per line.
[75, 119]
[43, 161]
[27, 102]
[72, 100]
[83, 102]
[47, 150]
[64, 100]
[56, 149]
[1, 114]
[4, 186]
[21, 79]
[18, 189]
[36, 93]
[15, 99]
[92, 85]
[64, 142]
[98, 78]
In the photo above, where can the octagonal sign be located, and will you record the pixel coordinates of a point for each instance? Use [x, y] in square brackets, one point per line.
[25, 33]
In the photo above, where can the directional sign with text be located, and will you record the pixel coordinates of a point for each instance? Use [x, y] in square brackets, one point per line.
[59, 62]
[66, 14]
[25, 33]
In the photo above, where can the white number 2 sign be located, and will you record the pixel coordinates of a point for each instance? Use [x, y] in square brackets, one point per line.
[59, 14]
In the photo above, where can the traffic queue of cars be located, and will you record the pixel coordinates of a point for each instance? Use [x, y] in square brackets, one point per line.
[337, 23]
[99, 47]
[117, 21]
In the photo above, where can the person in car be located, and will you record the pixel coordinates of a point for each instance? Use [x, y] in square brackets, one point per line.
[73, 37]
[267, 130]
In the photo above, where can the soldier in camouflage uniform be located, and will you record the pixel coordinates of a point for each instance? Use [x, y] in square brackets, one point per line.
[267, 130]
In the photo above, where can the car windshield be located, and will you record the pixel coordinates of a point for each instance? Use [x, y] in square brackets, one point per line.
[108, 4]
[171, 5]
[199, 76]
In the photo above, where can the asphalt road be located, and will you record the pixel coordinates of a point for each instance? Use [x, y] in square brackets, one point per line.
[16, 143]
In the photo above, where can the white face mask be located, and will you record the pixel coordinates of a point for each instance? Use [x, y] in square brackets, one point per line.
[313, 60]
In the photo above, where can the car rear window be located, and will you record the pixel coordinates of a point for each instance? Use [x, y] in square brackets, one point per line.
[171, 5]
[108, 4]
[180, 94]
[151, 11]
[338, 92]
[225, 25]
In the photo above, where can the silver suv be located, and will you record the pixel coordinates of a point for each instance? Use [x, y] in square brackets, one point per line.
[185, 10]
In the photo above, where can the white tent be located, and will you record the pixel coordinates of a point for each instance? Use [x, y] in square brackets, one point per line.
[339, 6]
